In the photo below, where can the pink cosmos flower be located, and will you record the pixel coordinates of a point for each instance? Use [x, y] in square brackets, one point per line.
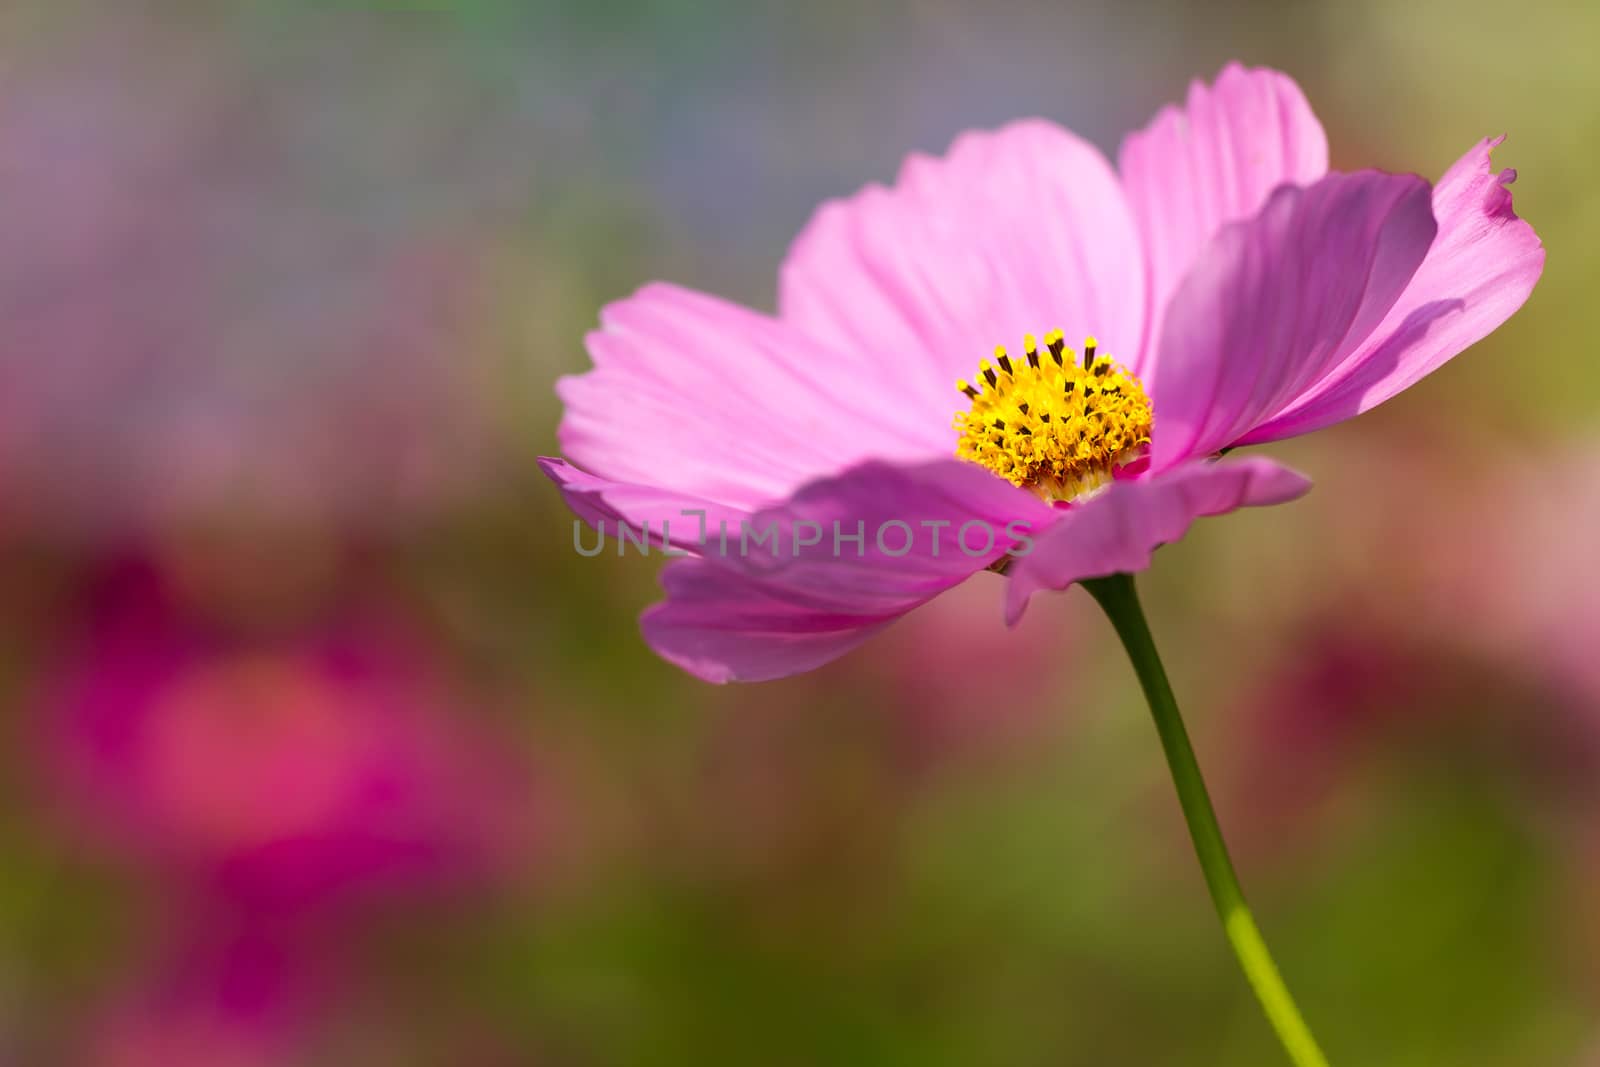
[298, 772]
[1345, 697]
[1247, 294]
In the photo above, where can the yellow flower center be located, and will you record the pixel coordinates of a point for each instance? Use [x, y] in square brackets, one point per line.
[1050, 424]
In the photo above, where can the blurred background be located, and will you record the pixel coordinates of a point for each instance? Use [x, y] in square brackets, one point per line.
[319, 745]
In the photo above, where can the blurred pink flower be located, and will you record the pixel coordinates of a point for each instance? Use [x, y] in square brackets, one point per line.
[1252, 295]
[1349, 693]
[288, 768]
[1314, 711]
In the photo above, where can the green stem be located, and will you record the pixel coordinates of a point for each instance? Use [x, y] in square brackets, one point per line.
[1118, 597]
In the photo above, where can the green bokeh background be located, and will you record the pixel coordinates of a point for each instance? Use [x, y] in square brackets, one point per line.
[958, 845]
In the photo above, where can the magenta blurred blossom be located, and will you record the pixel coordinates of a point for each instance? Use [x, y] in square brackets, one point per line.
[1313, 712]
[1348, 693]
[285, 768]
[1255, 294]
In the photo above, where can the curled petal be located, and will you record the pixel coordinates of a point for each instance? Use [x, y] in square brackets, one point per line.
[1277, 302]
[1481, 268]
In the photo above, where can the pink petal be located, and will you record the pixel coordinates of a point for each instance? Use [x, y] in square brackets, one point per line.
[762, 614]
[1191, 171]
[1479, 271]
[1015, 231]
[656, 517]
[1276, 302]
[702, 397]
[1119, 529]
[721, 627]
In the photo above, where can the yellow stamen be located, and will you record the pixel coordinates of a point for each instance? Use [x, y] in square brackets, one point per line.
[1051, 425]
